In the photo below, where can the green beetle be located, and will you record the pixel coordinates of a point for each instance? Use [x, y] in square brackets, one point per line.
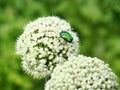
[66, 36]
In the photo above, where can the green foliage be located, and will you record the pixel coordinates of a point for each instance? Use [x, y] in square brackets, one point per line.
[97, 23]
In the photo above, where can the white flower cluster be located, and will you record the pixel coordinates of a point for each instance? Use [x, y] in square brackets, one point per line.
[42, 47]
[82, 73]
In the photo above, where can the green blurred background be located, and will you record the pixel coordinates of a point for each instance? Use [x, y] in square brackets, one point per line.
[97, 23]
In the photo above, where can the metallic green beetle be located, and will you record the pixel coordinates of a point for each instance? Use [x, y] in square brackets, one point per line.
[66, 36]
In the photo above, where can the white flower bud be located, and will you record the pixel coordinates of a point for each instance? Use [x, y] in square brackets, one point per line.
[74, 75]
[41, 38]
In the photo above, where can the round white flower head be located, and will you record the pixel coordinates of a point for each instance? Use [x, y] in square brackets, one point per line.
[44, 44]
[82, 73]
